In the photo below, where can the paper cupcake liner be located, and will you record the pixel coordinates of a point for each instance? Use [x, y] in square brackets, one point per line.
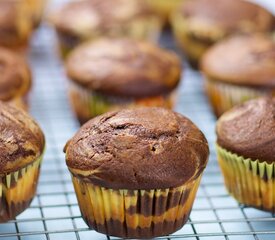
[88, 104]
[66, 43]
[36, 8]
[17, 190]
[250, 182]
[20, 102]
[223, 96]
[164, 8]
[135, 213]
[193, 47]
[144, 29]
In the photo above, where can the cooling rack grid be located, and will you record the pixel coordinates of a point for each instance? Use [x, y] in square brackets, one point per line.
[54, 213]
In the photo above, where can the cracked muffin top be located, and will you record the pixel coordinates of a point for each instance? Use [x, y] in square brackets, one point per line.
[219, 18]
[21, 139]
[145, 148]
[88, 16]
[249, 130]
[124, 67]
[15, 75]
[244, 60]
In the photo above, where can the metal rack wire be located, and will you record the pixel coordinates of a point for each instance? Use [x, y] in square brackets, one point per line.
[54, 213]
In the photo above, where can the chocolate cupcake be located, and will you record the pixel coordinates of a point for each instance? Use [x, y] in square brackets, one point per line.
[21, 149]
[239, 69]
[246, 153]
[15, 24]
[15, 79]
[136, 172]
[111, 74]
[200, 24]
[164, 8]
[89, 19]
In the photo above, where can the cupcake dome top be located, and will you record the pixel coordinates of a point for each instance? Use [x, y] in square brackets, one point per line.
[15, 76]
[21, 139]
[218, 18]
[249, 130]
[8, 10]
[87, 16]
[124, 67]
[244, 60]
[146, 148]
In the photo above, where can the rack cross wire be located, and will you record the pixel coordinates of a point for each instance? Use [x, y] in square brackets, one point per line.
[54, 213]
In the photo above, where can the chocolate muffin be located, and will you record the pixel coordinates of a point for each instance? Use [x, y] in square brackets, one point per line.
[15, 24]
[246, 153]
[239, 69]
[15, 78]
[111, 74]
[136, 172]
[21, 149]
[202, 23]
[89, 19]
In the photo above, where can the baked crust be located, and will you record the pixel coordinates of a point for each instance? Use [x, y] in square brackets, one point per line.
[124, 67]
[211, 20]
[15, 75]
[21, 139]
[15, 25]
[81, 18]
[248, 130]
[145, 148]
[244, 60]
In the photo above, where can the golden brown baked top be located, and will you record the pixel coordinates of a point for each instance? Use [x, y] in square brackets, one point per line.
[21, 139]
[124, 67]
[248, 130]
[145, 148]
[245, 60]
[82, 18]
[15, 75]
[223, 17]
[8, 15]
[15, 23]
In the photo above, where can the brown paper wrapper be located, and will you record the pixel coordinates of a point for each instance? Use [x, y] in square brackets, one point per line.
[223, 96]
[17, 190]
[135, 213]
[88, 104]
[251, 182]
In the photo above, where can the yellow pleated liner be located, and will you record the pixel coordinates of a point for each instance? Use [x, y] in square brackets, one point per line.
[88, 104]
[17, 189]
[224, 96]
[193, 36]
[20, 102]
[251, 182]
[36, 9]
[164, 8]
[135, 213]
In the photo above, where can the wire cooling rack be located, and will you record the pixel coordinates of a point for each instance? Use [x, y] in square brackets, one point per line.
[54, 213]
